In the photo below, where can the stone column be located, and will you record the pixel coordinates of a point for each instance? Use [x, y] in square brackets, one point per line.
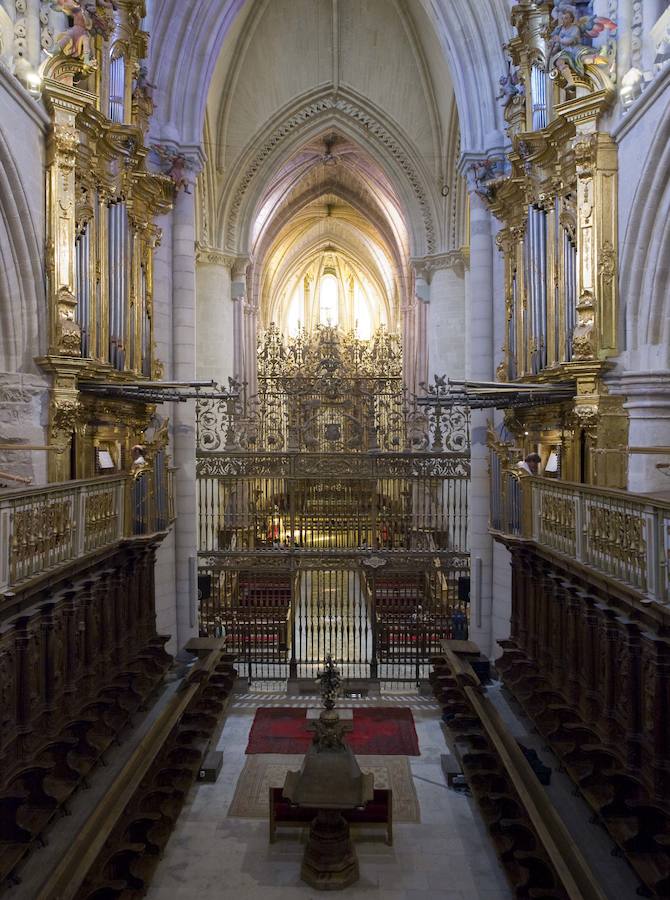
[479, 364]
[165, 573]
[446, 316]
[239, 297]
[184, 364]
[214, 317]
[250, 325]
[648, 405]
[420, 340]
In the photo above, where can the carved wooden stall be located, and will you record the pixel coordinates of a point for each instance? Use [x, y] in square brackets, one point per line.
[588, 657]
[536, 850]
[78, 657]
[319, 502]
[79, 652]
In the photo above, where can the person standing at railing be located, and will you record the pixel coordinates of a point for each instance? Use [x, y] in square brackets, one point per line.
[138, 466]
[138, 458]
[530, 465]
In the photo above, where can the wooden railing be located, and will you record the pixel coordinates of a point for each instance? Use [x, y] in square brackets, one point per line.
[45, 529]
[621, 535]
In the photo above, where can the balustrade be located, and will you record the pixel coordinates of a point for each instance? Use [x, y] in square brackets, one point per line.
[621, 535]
[44, 529]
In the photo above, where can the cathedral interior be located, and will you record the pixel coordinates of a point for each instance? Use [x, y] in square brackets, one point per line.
[334, 369]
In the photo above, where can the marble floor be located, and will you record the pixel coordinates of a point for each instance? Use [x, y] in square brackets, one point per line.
[447, 856]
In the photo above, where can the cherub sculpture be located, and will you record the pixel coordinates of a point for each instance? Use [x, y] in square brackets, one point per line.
[568, 47]
[511, 86]
[102, 16]
[176, 167]
[76, 41]
[142, 84]
[89, 18]
[483, 171]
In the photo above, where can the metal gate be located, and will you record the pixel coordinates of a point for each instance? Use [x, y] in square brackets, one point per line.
[333, 516]
[377, 616]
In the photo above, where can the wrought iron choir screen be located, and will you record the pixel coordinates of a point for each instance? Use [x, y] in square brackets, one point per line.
[332, 512]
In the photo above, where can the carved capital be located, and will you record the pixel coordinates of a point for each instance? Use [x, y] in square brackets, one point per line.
[426, 266]
[65, 418]
[213, 256]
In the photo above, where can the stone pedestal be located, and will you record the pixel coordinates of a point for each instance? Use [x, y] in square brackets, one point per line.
[330, 862]
[329, 782]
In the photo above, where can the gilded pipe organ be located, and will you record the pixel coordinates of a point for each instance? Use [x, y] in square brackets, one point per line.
[556, 195]
[101, 202]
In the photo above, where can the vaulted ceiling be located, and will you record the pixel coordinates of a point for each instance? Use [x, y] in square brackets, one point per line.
[333, 125]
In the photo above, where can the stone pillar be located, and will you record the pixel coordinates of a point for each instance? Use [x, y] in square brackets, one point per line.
[407, 313]
[446, 316]
[648, 405]
[479, 367]
[165, 573]
[183, 369]
[250, 332]
[419, 362]
[239, 298]
[214, 317]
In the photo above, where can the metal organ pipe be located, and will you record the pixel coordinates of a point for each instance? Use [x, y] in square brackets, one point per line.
[82, 288]
[118, 268]
[117, 78]
[556, 349]
[542, 287]
[123, 280]
[513, 358]
[528, 282]
[570, 274]
[536, 266]
[111, 266]
[538, 91]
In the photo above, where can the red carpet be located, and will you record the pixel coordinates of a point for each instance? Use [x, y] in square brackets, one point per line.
[380, 731]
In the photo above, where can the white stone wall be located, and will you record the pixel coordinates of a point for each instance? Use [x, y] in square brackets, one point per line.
[23, 389]
[446, 324]
[215, 325]
[642, 374]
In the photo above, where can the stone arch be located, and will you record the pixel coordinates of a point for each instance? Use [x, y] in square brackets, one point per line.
[645, 260]
[364, 126]
[347, 196]
[22, 320]
[470, 34]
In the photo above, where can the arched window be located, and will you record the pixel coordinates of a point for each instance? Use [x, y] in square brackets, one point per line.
[328, 300]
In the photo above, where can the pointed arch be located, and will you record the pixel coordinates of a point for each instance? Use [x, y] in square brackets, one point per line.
[308, 118]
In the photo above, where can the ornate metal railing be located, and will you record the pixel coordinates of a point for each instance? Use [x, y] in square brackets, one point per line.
[45, 529]
[621, 535]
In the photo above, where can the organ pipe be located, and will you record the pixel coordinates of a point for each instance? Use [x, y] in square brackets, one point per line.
[538, 90]
[117, 87]
[570, 278]
[82, 272]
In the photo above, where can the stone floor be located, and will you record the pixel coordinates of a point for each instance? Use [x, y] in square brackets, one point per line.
[447, 856]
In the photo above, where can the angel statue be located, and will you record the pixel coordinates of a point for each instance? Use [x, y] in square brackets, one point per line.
[568, 47]
[89, 18]
[76, 41]
[483, 171]
[142, 84]
[511, 86]
[176, 166]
